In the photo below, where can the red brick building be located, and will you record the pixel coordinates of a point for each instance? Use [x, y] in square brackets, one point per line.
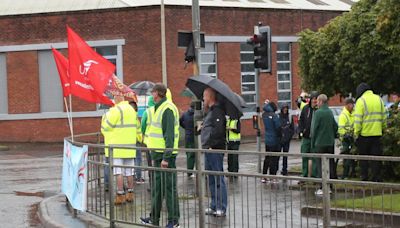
[31, 103]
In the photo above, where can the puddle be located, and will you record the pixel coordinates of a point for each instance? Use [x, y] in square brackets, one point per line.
[33, 217]
[38, 194]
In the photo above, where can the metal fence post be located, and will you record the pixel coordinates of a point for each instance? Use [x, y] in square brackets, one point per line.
[200, 186]
[326, 195]
[111, 186]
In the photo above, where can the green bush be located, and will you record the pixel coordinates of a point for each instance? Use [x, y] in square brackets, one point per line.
[391, 144]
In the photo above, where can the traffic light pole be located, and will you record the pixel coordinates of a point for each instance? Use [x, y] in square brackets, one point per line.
[257, 85]
[197, 111]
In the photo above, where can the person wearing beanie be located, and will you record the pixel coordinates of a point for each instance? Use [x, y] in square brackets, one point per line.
[308, 164]
[369, 122]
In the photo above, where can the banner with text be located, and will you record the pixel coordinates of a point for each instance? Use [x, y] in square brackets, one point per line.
[74, 175]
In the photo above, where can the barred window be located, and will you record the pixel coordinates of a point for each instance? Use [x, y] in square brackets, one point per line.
[284, 74]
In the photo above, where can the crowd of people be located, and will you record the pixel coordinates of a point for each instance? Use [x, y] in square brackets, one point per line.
[359, 124]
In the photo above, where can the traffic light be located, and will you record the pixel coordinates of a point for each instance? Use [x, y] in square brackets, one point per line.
[261, 42]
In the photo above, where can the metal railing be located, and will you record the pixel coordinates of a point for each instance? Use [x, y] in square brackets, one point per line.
[250, 203]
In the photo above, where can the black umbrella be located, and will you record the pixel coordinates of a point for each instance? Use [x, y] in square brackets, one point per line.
[142, 87]
[227, 98]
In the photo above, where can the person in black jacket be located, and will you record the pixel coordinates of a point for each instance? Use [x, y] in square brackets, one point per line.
[187, 122]
[305, 128]
[213, 136]
[287, 131]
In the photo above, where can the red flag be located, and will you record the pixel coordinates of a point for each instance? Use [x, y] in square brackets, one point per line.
[120, 89]
[90, 72]
[62, 67]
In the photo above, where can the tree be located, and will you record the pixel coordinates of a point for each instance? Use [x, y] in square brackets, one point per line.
[362, 45]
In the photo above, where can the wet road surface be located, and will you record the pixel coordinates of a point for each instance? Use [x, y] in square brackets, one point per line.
[29, 173]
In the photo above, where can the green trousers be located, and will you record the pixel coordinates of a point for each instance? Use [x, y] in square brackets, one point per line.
[190, 156]
[164, 186]
[233, 159]
[306, 148]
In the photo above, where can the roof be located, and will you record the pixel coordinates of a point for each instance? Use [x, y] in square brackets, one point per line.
[18, 7]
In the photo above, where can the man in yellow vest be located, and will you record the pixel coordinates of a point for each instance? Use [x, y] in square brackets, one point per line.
[119, 127]
[369, 121]
[233, 136]
[163, 132]
[345, 130]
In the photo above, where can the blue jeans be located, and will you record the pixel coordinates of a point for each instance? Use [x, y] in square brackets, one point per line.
[138, 162]
[216, 184]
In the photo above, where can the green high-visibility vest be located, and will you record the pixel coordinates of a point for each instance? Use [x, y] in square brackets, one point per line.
[155, 137]
[232, 136]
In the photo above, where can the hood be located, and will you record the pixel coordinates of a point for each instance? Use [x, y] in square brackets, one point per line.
[361, 88]
[269, 107]
[150, 103]
[169, 95]
[284, 106]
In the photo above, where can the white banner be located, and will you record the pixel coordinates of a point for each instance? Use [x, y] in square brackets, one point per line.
[74, 175]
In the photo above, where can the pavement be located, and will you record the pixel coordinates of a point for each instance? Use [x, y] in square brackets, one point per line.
[31, 181]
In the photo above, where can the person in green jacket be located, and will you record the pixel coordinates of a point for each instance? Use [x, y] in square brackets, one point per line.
[163, 132]
[323, 132]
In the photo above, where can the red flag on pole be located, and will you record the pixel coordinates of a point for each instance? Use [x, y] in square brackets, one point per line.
[90, 72]
[62, 67]
[117, 88]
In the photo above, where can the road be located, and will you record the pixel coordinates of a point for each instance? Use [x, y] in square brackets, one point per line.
[29, 173]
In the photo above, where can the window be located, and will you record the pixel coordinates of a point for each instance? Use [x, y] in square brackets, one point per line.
[111, 54]
[208, 60]
[248, 81]
[51, 95]
[284, 74]
[3, 85]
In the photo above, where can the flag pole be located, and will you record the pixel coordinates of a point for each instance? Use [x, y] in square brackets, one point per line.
[69, 119]
[70, 116]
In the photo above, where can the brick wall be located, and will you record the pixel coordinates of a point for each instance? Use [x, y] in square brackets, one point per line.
[140, 27]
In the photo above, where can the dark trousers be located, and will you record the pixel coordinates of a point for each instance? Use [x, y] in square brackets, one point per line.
[349, 165]
[271, 162]
[190, 156]
[233, 159]
[332, 164]
[370, 146]
[285, 149]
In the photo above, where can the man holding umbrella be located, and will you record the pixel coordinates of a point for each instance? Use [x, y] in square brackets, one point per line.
[219, 100]
[213, 137]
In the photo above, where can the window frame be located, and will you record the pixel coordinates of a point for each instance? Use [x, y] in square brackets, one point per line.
[283, 72]
[203, 52]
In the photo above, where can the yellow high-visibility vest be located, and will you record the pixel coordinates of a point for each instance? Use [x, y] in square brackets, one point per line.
[346, 123]
[302, 104]
[155, 134]
[232, 136]
[149, 114]
[119, 126]
[369, 115]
